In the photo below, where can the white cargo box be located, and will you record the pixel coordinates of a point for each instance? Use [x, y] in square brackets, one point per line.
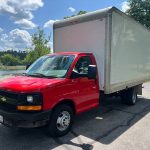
[120, 45]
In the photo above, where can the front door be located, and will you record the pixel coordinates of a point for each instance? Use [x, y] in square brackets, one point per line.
[88, 91]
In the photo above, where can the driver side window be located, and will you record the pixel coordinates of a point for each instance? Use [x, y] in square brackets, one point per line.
[82, 65]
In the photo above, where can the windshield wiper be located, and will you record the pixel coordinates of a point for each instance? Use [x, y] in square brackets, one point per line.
[41, 75]
[24, 74]
[37, 74]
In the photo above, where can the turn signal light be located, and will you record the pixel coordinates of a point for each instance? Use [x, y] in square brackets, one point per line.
[29, 108]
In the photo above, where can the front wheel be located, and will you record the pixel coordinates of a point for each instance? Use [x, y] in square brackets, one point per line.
[61, 121]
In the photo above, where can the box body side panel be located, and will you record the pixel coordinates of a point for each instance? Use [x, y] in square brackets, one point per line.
[130, 53]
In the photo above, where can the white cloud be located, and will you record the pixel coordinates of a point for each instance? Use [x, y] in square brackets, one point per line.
[31, 4]
[72, 9]
[18, 10]
[6, 8]
[125, 6]
[49, 23]
[16, 39]
[50, 44]
[1, 30]
[26, 24]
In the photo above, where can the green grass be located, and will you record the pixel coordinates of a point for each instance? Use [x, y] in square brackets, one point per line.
[12, 67]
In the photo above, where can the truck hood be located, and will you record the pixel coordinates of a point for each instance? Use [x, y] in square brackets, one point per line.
[27, 84]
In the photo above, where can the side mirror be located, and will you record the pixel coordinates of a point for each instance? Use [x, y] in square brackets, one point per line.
[92, 71]
[27, 66]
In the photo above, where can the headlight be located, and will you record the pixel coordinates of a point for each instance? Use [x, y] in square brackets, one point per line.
[30, 99]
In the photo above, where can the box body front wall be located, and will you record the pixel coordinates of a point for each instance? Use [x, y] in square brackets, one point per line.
[83, 37]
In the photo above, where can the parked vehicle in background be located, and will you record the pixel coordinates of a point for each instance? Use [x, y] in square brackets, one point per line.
[103, 52]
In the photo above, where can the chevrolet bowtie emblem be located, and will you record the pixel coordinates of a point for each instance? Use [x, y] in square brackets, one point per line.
[3, 99]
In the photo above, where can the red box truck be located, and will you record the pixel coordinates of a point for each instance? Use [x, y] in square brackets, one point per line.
[103, 52]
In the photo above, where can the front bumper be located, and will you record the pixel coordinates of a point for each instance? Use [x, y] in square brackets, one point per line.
[25, 120]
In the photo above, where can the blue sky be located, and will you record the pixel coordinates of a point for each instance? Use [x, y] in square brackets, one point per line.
[20, 18]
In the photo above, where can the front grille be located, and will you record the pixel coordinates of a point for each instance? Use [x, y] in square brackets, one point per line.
[9, 94]
[8, 100]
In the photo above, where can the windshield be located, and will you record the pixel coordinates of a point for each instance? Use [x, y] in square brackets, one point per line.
[54, 66]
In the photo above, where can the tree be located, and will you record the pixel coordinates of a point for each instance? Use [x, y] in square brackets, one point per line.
[140, 11]
[10, 60]
[20, 54]
[81, 12]
[40, 48]
[30, 58]
[40, 44]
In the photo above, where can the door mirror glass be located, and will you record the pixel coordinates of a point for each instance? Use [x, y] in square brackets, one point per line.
[92, 72]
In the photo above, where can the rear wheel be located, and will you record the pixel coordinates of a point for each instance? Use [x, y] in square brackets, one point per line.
[61, 121]
[129, 96]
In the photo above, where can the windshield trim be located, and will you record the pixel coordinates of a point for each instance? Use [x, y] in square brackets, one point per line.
[50, 77]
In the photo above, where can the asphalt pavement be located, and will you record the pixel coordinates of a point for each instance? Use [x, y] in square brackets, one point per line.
[112, 126]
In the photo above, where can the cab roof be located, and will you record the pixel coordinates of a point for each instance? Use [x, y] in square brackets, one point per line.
[70, 53]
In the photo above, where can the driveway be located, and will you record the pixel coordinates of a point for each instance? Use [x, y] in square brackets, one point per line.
[112, 126]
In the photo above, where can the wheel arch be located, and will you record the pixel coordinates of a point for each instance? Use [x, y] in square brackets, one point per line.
[68, 102]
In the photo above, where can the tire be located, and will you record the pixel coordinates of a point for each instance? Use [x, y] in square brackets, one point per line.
[129, 96]
[61, 121]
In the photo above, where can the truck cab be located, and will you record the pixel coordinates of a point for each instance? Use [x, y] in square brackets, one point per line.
[50, 92]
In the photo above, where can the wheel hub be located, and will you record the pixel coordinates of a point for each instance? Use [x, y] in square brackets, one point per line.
[63, 121]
